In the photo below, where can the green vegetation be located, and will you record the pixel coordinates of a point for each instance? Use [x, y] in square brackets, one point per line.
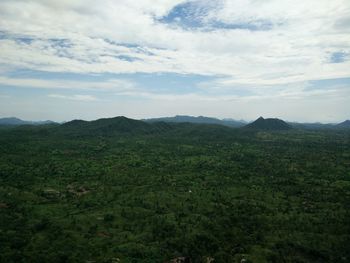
[119, 190]
[269, 124]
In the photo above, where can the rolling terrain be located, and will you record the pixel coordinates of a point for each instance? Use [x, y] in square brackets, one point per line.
[122, 190]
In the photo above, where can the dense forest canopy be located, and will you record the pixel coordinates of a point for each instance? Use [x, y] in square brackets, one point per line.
[121, 190]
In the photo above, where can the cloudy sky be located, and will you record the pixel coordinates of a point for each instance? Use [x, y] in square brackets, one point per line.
[242, 59]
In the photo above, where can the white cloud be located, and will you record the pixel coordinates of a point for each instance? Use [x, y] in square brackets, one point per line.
[297, 48]
[108, 85]
[86, 98]
[217, 91]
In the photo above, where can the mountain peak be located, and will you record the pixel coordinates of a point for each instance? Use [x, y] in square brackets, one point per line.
[268, 124]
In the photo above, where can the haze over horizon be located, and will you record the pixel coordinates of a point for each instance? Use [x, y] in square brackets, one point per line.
[226, 59]
[8, 119]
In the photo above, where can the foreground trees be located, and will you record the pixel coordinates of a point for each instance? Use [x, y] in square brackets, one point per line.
[212, 194]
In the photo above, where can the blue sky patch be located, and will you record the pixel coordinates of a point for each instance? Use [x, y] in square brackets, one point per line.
[328, 83]
[339, 57]
[192, 15]
[128, 58]
[188, 15]
[60, 43]
[18, 39]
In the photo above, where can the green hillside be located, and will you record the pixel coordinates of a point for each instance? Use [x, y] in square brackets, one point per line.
[269, 124]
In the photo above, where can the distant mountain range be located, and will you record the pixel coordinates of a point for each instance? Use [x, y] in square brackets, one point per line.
[123, 124]
[12, 121]
[269, 124]
[200, 119]
[261, 123]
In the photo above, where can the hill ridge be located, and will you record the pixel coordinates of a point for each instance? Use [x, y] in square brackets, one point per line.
[119, 124]
[344, 124]
[268, 124]
[198, 119]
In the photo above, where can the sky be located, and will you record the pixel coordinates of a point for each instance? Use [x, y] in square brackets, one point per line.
[241, 59]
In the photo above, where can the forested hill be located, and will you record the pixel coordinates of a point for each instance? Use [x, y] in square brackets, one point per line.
[345, 124]
[199, 119]
[268, 124]
[110, 126]
[121, 123]
[123, 126]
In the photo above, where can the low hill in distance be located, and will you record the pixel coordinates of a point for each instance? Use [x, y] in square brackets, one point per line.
[199, 119]
[269, 124]
[345, 124]
[12, 121]
[106, 126]
[122, 126]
